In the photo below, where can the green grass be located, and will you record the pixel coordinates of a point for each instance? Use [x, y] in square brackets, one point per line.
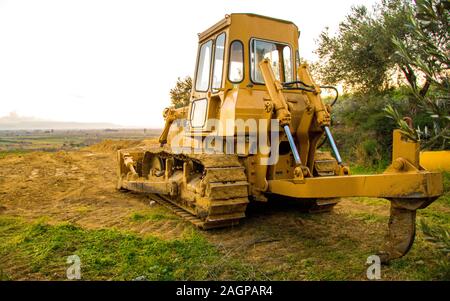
[438, 213]
[151, 216]
[49, 142]
[435, 216]
[370, 218]
[3, 154]
[112, 254]
[445, 199]
[104, 254]
[361, 170]
[65, 139]
[109, 254]
[371, 201]
[3, 276]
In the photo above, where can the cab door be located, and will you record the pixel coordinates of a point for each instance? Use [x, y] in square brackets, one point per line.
[208, 80]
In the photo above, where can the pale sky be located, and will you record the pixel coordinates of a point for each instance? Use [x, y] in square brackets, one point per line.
[115, 61]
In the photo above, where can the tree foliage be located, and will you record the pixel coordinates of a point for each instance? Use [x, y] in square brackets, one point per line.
[396, 42]
[429, 24]
[362, 54]
[440, 237]
[181, 93]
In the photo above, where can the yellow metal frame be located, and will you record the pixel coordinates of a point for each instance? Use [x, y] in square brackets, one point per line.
[435, 160]
[404, 178]
[405, 183]
[394, 185]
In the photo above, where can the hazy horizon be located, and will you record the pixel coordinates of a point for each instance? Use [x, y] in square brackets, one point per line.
[15, 122]
[115, 61]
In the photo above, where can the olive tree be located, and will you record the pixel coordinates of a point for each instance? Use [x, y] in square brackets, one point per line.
[362, 54]
[430, 31]
[181, 93]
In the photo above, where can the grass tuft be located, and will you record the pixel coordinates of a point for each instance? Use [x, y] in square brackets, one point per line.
[105, 254]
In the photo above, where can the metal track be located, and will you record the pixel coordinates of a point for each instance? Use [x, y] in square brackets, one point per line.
[220, 203]
[166, 202]
[187, 216]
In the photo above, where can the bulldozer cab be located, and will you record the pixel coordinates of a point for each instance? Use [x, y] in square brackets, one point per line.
[228, 59]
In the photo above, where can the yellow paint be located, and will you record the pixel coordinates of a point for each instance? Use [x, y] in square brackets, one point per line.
[435, 160]
[405, 185]
[304, 112]
[213, 190]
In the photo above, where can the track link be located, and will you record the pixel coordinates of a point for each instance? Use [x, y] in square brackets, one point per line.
[184, 214]
[216, 197]
[210, 223]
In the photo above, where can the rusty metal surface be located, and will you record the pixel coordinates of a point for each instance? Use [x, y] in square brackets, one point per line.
[402, 227]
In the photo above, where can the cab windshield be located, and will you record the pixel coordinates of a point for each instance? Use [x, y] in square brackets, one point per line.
[279, 55]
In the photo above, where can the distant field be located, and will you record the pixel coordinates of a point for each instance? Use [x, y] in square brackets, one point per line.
[22, 141]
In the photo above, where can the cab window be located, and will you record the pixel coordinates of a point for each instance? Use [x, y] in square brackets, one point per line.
[297, 62]
[198, 112]
[280, 58]
[287, 64]
[219, 52]
[203, 67]
[236, 68]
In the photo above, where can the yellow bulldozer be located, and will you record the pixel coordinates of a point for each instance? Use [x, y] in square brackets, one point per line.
[252, 132]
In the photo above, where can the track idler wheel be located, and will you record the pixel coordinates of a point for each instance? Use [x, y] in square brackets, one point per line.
[402, 227]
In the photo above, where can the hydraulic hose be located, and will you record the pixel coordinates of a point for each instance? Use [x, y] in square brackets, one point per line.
[332, 104]
[335, 90]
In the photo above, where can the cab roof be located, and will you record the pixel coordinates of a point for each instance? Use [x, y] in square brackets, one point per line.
[225, 22]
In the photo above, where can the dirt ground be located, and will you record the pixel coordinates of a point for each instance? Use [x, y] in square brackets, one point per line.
[277, 240]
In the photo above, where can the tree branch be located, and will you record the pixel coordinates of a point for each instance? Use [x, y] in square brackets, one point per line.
[425, 88]
[410, 76]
